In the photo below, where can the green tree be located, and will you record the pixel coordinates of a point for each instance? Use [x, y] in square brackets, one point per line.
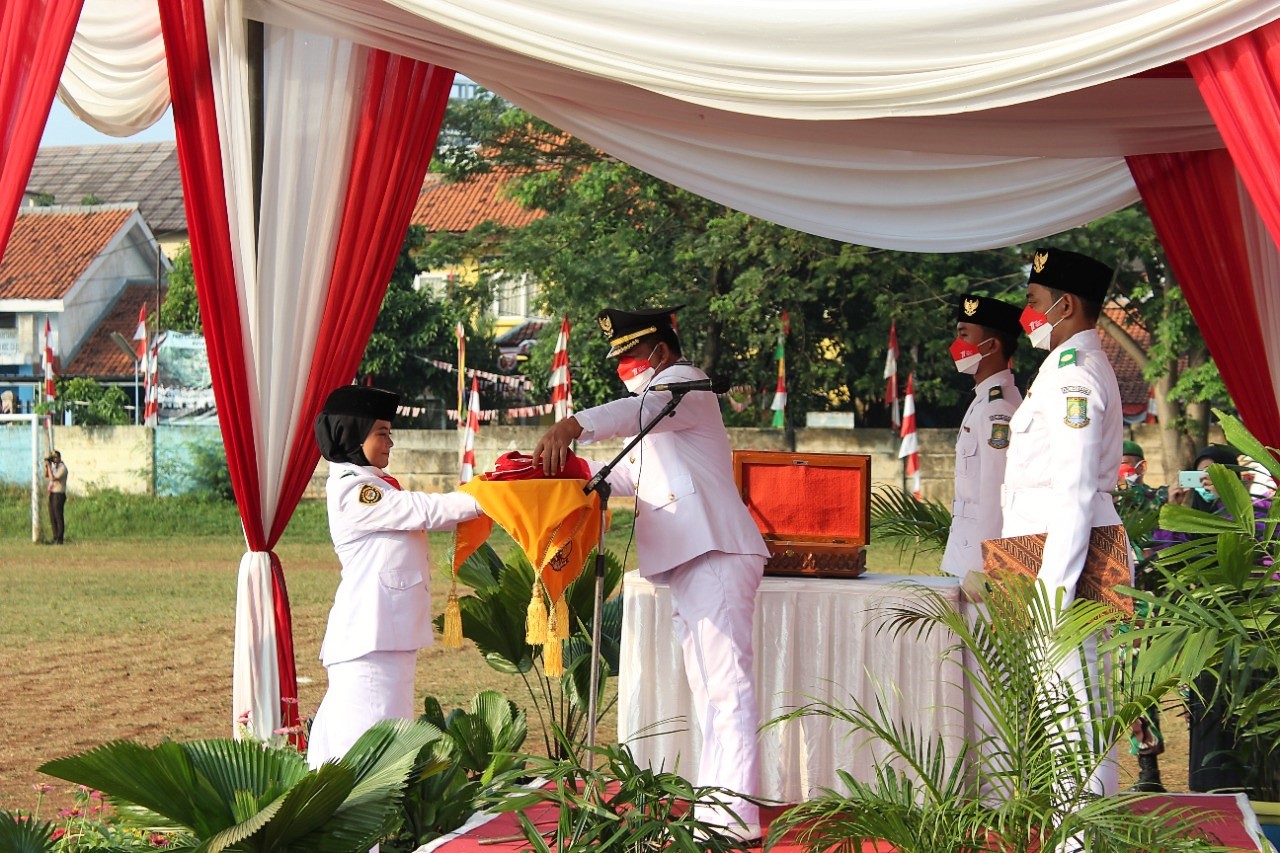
[414, 324]
[181, 311]
[1165, 341]
[90, 403]
[612, 234]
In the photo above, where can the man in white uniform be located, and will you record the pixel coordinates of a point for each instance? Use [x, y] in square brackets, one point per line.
[381, 612]
[987, 332]
[1067, 437]
[693, 533]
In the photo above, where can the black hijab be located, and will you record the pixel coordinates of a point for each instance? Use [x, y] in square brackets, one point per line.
[348, 417]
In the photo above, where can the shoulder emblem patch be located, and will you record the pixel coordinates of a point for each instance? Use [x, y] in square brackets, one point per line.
[370, 494]
[1066, 357]
[999, 436]
[996, 393]
[1077, 412]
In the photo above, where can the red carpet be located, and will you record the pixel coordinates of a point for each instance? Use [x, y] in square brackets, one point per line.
[1221, 817]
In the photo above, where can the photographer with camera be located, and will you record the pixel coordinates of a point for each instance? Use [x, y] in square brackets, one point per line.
[55, 474]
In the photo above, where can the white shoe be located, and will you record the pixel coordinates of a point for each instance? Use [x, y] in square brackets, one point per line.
[744, 834]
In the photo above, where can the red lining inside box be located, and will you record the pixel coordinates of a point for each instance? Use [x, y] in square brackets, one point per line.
[791, 501]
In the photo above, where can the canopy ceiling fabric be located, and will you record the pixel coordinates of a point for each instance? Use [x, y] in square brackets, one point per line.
[979, 180]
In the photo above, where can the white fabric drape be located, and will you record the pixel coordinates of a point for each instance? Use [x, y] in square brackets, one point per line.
[814, 59]
[1264, 264]
[911, 181]
[311, 96]
[814, 639]
[115, 78]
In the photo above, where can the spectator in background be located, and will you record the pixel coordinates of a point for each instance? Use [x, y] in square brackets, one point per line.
[55, 474]
[1213, 762]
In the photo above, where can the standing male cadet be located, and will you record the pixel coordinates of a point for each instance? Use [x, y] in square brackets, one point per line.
[1066, 439]
[692, 533]
[987, 333]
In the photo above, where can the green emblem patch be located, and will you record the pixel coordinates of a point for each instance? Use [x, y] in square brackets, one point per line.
[1066, 357]
[999, 436]
[996, 393]
[1077, 412]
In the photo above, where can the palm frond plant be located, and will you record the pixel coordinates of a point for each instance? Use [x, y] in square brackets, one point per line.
[909, 523]
[23, 833]
[1219, 610]
[452, 773]
[494, 619]
[251, 798]
[614, 804]
[1023, 784]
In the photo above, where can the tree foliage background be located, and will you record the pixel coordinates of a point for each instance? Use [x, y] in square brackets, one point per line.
[613, 235]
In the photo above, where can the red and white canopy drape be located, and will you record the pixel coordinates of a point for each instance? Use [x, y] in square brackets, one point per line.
[926, 126]
[289, 290]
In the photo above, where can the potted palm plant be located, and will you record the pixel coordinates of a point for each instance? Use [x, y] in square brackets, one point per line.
[1219, 613]
[1021, 786]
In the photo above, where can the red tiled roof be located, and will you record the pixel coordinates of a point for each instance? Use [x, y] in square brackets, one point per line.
[1133, 387]
[52, 247]
[100, 356]
[463, 205]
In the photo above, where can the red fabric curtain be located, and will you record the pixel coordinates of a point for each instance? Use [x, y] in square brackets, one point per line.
[35, 36]
[1193, 199]
[1240, 84]
[403, 106]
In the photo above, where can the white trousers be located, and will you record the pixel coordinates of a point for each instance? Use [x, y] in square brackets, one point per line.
[713, 605]
[377, 686]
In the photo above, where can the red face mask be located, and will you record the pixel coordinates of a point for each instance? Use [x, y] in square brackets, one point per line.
[634, 372]
[966, 355]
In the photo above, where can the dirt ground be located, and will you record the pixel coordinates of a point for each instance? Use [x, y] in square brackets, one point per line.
[100, 641]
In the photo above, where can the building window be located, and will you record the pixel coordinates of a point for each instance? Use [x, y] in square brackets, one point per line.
[8, 320]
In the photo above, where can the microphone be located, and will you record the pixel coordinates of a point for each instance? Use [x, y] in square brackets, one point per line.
[715, 386]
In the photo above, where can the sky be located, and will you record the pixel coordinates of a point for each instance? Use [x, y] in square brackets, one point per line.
[64, 128]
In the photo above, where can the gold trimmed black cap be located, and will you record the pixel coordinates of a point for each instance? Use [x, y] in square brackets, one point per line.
[1071, 272]
[991, 313]
[624, 329]
[361, 401]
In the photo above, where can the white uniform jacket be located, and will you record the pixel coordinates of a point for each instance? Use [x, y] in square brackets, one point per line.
[981, 450]
[681, 474]
[380, 535]
[1064, 452]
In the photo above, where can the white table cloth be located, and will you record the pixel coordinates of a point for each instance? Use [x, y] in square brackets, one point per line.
[814, 639]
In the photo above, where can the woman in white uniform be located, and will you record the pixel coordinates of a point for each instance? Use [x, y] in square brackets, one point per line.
[381, 612]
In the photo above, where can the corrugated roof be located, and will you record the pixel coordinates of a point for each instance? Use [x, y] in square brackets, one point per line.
[462, 205]
[100, 357]
[141, 172]
[51, 247]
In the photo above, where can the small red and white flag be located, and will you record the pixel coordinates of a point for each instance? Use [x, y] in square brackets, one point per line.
[460, 332]
[46, 359]
[151, 413]
[560, 384]
[891, 376]
[473, 429]
[910, 449]
[1153, 412]
[140, 333]
[780, 392]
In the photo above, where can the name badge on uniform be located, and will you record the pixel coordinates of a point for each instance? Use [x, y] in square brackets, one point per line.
[999, 436]
[1077, 412]
[370, 494]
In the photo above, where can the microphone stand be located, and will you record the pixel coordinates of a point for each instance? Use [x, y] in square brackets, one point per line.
[600, 485]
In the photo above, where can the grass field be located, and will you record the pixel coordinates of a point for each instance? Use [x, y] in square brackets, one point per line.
[126, 631]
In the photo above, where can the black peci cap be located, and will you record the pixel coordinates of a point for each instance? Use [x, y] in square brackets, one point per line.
[624, 329]
[361, 401]
[991, 313]
[1071, 272]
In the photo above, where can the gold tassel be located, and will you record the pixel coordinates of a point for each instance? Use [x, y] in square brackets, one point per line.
[558, 627]
[552, 659]
[535, 622]
[452, 621]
